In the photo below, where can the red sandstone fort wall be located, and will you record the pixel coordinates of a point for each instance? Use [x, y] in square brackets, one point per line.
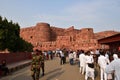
[44, 37]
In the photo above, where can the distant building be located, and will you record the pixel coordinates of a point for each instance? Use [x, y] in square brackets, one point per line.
[113, 42]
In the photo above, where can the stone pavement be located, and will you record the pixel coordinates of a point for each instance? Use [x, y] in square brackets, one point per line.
[53, 71]
[16, 66]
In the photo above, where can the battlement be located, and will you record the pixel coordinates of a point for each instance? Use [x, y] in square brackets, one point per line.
[46, 37]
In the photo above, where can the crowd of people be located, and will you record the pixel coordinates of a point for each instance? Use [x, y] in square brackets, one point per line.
[107, 62]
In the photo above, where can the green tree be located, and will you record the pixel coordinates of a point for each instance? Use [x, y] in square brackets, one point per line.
[10, 37]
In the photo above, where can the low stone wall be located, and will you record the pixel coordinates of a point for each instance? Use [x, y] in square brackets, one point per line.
[15, 57]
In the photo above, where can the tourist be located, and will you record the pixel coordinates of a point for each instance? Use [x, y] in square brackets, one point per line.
[78, 53]
[114, 67]
[103, 61]
[74, 56]
[45, 54]
[82, 62]
[92, 52]
[57, 53]
[97, 52]
[61, 57]
[109, 75]
[65, 54]
[71, 56]
[115, 56]
[89, 66]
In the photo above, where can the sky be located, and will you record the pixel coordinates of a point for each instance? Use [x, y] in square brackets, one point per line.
[101, 15]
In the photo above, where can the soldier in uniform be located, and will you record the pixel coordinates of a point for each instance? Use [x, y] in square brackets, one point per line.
[35, 65]
[42, 65]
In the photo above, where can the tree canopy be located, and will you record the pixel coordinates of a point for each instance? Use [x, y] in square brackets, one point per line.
[10, 37]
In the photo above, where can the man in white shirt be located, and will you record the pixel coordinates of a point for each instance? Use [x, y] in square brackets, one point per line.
[92, 52]
[75, 55]
[82, 62]
[71, 56]
[114, 67]
[97, 52]
[62, 57]
[102, 61]
[89, 70]
[115, 56]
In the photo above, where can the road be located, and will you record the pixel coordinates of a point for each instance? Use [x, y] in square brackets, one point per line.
[53, 71]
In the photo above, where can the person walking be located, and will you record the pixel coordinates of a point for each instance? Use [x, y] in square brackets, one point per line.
[114, 67]
[82, 62]
[89, 66]
[74, 57]
[103, 61]
[115, 56]
[65, 54]
[35, 65]
[42, 62]
[62, 56]
[71, 56]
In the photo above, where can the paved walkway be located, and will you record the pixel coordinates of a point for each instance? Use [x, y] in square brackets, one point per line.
[53, 71]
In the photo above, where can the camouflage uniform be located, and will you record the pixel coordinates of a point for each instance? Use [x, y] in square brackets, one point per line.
[42, 64]
[35, 66]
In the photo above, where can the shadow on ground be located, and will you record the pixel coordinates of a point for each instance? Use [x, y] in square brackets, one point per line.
[56, 72]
